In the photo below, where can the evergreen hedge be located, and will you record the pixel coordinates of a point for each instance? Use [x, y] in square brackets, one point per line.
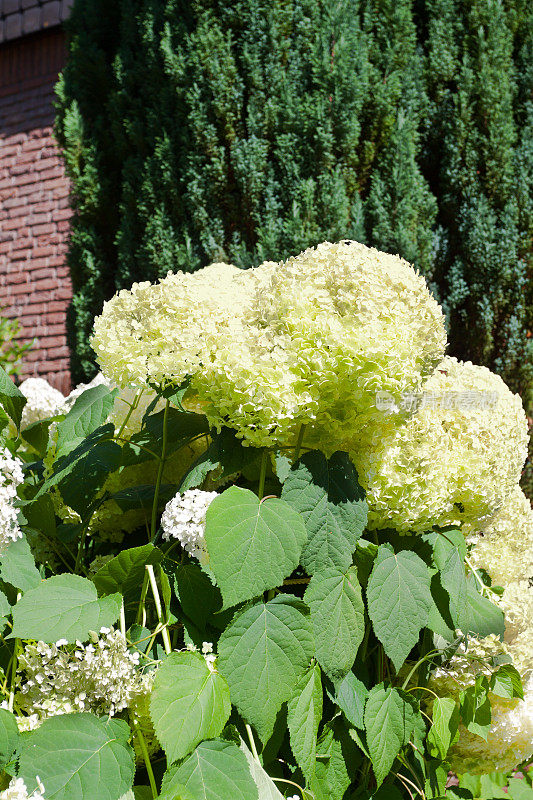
[243, 131]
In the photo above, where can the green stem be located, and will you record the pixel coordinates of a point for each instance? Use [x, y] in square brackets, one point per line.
[299, 442]
[144, 750]
[252, 743]
[262, 475]
[159, 608]
[159, 472]
[420, 661]
[141, 611]
[80, 548]
[133, 405]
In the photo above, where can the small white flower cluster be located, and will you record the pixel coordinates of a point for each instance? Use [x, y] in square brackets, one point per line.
[184, 519]
[101, 677]
[17, 790]
[207, 651]
[10, 477]
[42, 401]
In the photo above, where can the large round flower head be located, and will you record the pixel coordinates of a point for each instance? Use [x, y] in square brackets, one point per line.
[42, 401]
[309, 341]
[161, 332]
[356, 322]
[503, 546]
[509, 742]
[455, 461]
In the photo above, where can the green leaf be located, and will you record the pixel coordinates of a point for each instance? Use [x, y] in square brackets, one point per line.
[331, 501]
[485, 617]
[351, 695]
[189, 703]
[37, 435]
[17, 566]
[443, 731]
[11, 398]
[198, 598]
[252, 545]
[338, 617]
[506, 682]
[476, 711]
[64, 465]
[453, 579]
[388, 724]
[125, 572]
[225, 454]
[78, 756]
[142, 497]
[303, 717]
[519, 789]
[217, 770]
[262, 654]
[9, 736]
[90, 410]
[89, 474]
[443, 542]
[399, 601]
[63, 607]
[337, 761]
[265, 785]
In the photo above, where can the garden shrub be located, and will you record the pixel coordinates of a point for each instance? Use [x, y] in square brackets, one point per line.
[277, 549]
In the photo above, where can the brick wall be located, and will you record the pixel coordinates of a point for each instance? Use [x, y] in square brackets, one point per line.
[34, 210]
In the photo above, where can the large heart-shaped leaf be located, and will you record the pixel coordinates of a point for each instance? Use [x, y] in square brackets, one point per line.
[189, 702]
[90, 410]
[262, 654]
[252, 545]
[217, 770]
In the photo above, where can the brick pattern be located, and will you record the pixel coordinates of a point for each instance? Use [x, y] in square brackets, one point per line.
[34, 207]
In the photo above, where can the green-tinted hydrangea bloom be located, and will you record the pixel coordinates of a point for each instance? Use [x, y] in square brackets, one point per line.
[454, 461]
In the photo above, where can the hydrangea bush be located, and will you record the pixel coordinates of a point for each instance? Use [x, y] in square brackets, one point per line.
[277, 549]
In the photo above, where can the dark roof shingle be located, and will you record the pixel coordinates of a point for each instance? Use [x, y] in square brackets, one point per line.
[20, 17]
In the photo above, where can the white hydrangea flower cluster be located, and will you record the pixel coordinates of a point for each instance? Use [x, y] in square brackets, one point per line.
[504, 545]
[42, 401]
[447, 465]
[10, 478]
[509, 742]
[208, 653]
[184, 519]
[473, 657]
[17, 790]
[101, 677]
[307, 341]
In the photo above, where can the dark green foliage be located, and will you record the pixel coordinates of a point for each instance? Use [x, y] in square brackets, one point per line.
[244, 131]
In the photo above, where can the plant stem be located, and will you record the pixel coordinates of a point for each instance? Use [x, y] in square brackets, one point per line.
[80, 548]
[299, 442]
[420, 661]
[294, 581]
[144, 750]
[160, 471]
[132, 406]
[159, 608]
[262, 475]
[252, 743]
[13, 674]
[141, 611]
